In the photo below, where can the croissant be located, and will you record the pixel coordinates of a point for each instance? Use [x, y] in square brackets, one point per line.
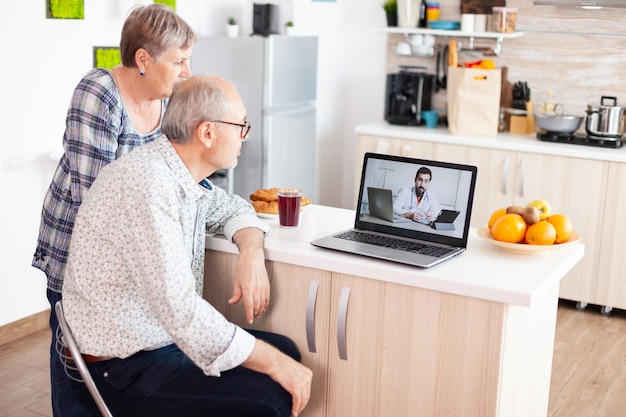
[266, 207]
[265, 200]
[265, 194]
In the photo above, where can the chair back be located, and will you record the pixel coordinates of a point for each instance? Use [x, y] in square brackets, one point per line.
[73, 362]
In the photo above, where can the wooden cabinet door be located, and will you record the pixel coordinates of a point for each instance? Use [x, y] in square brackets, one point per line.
[495, 181]
[611, 287]
[218, 270]
[355, 338]
[440, 354]
[299, 309]
[577, 188]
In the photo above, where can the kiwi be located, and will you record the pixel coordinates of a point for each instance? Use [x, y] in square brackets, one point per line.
[531, 215]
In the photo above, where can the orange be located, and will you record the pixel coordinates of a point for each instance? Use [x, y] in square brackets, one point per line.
[487, 64]
[540, 233]
[509, 228]
[563, 225]
[495, 216]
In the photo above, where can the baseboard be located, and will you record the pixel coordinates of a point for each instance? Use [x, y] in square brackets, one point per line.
[23, 327]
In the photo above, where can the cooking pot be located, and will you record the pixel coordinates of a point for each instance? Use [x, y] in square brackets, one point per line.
[605, 120]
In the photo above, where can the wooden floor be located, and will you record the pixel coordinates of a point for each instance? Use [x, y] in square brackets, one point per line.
[588, 372]
[25, 377]
[589, 365]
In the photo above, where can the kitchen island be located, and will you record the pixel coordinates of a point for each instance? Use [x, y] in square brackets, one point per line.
[583, 182]
[472, 336]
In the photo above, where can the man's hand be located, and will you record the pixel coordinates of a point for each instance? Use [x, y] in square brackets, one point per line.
[418, 216]
[431, 216]
[294, 377]
[251, 281]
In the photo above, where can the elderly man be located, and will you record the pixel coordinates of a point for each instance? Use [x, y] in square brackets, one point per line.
[134, 277]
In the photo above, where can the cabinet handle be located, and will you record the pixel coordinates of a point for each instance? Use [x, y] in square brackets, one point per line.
[505, 170]
[381, 146]
[310, 315]
[342, 317]
[522, 176]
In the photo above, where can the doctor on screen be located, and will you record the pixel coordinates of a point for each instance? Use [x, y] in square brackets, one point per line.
[416, 202]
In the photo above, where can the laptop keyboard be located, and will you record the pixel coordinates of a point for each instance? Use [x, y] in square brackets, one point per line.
[399, 244]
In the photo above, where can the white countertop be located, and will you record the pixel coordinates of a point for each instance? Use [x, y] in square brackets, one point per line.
[483, 271]
[505, 141]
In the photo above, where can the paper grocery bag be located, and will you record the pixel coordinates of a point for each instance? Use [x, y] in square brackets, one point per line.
[473, 101]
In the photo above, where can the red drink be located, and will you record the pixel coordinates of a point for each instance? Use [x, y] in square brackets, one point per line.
[289, 206]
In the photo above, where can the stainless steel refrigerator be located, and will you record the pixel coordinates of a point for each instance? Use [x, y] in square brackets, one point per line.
[277, 79]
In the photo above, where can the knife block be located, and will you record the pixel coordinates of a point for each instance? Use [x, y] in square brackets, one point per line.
[523, 125]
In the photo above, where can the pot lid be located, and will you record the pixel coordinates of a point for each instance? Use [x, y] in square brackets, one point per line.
[606, 102]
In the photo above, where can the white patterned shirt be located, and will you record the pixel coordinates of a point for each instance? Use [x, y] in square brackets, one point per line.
[136, 261]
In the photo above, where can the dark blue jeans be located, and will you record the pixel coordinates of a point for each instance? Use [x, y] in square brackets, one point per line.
[64, 402]
[165, 382]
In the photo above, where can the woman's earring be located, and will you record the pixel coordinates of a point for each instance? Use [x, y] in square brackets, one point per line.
[142, 73]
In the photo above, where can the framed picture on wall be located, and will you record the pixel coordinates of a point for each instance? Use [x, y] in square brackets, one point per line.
[106, 56]
[65, 9]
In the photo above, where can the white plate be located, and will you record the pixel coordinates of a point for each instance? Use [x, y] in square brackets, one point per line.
[485, 234]
[275, 216]
[267, 216]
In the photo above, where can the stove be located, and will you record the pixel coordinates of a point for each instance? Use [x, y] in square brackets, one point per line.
[581, 139]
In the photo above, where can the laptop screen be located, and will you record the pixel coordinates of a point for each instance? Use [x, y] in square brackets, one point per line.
[414, 198]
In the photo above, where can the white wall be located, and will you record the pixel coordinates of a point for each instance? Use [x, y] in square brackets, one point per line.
[43, 60]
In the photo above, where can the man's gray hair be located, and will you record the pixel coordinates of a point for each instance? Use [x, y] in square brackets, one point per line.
[198, 99]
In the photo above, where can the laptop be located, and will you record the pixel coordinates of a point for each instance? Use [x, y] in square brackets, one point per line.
[451, 188]
[380, 201]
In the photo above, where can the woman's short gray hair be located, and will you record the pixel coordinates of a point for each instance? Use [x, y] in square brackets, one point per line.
[198, 99]
[156, 28]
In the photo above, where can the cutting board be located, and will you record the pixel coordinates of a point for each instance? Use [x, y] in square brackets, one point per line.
[506, 89]
[480, 6]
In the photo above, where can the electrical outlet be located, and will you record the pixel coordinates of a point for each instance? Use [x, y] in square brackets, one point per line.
[13, 162]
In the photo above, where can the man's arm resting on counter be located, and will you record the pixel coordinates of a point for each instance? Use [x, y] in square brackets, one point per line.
[251, 281]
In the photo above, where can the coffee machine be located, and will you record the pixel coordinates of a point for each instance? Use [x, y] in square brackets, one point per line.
[265, 19]
[408, 93]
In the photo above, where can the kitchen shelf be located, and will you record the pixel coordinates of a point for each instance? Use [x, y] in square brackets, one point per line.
[452, 33]
[497, 36]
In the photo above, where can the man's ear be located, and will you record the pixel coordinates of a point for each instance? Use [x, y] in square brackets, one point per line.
[206, 132]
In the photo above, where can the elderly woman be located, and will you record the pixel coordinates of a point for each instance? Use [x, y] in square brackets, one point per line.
[111, 112]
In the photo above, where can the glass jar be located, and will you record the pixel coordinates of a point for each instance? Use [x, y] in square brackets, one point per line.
[408, 13]
[432, 11]
[504, 19]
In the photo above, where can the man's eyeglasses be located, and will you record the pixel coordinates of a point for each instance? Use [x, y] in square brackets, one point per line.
[245, 127]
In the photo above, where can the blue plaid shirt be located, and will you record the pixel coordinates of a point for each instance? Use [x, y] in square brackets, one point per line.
[98, 131]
